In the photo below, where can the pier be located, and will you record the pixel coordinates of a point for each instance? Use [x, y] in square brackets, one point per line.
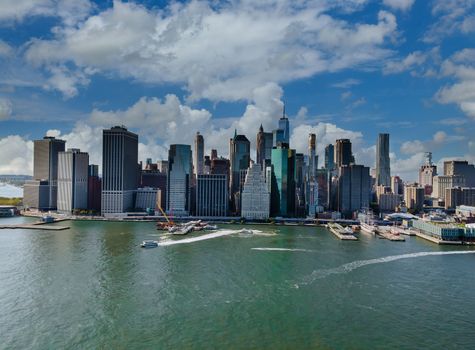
[385, 232]
[341, 232]
[36, 226]
[437, 240]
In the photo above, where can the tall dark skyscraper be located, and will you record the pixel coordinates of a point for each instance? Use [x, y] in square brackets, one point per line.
[343, 153]
[263, 147]
[383, 168]
[41, 192]
[353, 188]
[329, 157]
[283, 165]
[239, 151]
[119, 170]
[198, 157]
[312, 185]
[179, 180]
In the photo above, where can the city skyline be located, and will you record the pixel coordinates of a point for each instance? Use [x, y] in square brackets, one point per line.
[57, 80]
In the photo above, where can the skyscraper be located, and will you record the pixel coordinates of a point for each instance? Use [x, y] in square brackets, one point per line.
[41, 192]
[462, 168]
[93, 188]
[330, 157]
[212, 195]
[255, 195]
[240, 154]
[263, 147]
[283, 164]
[300, 184]
[119, 170]
[427, 173]
[198, 158]
[179, 180]
[284, 126]
[383, 168]
[312, 185]
[353, 188]
[343, 153]
[72, 180]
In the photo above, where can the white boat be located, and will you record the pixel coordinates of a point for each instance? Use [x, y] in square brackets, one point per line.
[184, 230]
[368, 228]
[210, 227]
[149, 244]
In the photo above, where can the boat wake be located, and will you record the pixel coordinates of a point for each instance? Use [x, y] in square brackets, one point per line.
[318, 274]
[217, 234]
[285, 250]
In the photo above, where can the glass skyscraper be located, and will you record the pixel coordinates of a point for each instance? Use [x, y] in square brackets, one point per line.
[283, 164]
[383, 168]
[179, 180]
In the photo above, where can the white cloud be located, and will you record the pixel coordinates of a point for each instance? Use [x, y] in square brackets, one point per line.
[452, 16]
[412, 60]
[5, 109]
[71, 11]
[461, 67]
[439, 139]
[348, 83]
[16, 156]
[5, 49]
[402, 5]
[219, 52]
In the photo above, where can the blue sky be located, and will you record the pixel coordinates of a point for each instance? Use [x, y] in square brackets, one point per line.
[344, 68]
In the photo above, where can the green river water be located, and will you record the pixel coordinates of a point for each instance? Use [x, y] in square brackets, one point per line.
[93, 287]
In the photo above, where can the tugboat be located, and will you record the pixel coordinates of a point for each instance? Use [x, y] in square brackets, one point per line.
[149, 244]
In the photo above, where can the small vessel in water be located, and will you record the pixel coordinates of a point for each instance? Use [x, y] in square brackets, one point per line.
[368, 228]
[149, 244]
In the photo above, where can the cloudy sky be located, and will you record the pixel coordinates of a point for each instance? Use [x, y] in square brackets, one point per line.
[344, 68]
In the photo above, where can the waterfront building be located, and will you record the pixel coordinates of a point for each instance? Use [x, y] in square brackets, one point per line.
[72, 180]
[41, 192]
[155, 179]
[441, 182]
[264, 142]
[212, 197]
[283, 164]
[300, 184]
[414, 197]
[461, 168]
[198, 156]
[388, 202]
[383, 168]
[445, 232]
[330, 157]
[312, 185]
[146, 198]
[343, 153]
[94, 190]
[354, 189]
[255, 195]
[179, 180]
[427, 173]
[239, 151]
[119, 170]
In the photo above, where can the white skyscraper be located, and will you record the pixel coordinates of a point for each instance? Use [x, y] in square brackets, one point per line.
[255, 195]
[72, 180]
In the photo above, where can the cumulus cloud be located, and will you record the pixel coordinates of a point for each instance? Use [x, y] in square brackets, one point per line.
[412, 60]
[218, 52]
[460, 67]
[71, 11]
[439, 139]
[402, 5]
[16, 156]
[452, 16]
[5, 49]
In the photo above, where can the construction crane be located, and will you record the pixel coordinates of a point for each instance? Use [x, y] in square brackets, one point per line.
[169, 222]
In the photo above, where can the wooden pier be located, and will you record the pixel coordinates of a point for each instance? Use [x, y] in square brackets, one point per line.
[340, 232]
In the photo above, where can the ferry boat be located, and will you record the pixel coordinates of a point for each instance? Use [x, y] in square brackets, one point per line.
[149, 244]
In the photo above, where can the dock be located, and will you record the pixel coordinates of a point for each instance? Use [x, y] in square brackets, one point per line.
[385, 232]
[35, 226]
[436, 240]
[340, 232]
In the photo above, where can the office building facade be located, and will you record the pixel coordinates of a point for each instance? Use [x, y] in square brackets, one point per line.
[283, 165]
[264, 143]
[255, 194]
[414, 197]
[212, 197]
[383, 168]
[353, 189]
[343, 153]
[119, 170]
[179, 180]
[198, 156]
[240, 157]
[73, 173]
